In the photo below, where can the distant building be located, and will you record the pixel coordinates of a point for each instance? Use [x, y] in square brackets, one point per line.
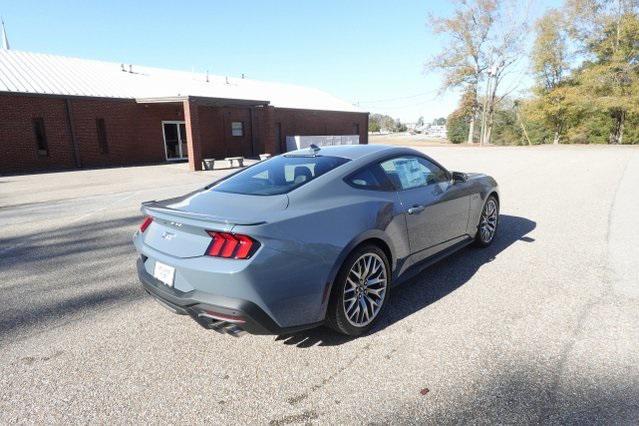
[63, 113]
[416, 127]
[437, 131]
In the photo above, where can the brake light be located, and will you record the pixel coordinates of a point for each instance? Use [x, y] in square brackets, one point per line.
[246, 244]
[228, 245]
[146, 223]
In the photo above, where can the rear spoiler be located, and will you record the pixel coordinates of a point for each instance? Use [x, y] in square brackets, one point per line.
[153, 208]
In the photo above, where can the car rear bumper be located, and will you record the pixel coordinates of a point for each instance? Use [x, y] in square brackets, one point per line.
[216, 312]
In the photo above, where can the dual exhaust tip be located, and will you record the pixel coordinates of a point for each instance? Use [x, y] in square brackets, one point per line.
[221, 326]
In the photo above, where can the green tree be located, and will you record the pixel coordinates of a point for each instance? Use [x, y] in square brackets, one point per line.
[457, 126]
[608, 33]
[386, 123]
[459, 121]
[550, 67]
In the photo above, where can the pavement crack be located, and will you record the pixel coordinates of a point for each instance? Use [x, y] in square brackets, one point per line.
[607, 290]
[301, 397]
[306, 416]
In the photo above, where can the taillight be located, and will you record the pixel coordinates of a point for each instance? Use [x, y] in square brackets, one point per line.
[234, 246]
[146, 223]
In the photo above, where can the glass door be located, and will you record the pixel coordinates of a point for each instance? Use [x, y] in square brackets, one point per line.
[174, 140]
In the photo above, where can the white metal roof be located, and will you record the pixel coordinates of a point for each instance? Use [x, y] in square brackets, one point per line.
[26, 72]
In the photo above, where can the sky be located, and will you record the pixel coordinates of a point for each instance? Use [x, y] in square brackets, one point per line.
[370, 53]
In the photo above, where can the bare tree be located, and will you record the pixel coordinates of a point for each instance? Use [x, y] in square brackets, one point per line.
[464, 58]
[506, 46]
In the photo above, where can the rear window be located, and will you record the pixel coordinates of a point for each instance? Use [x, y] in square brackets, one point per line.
[278, 175]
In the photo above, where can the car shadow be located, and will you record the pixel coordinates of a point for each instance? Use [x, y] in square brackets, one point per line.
[432, 284]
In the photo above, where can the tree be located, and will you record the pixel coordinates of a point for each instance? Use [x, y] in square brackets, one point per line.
[506, 48]
[380, 122]
[458, 122]
[457, 127]
[420, 122]
[441, 121]
[608, 34]
[550, 67]
[463, 58]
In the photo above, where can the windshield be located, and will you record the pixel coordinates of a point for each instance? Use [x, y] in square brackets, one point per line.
[278, 175]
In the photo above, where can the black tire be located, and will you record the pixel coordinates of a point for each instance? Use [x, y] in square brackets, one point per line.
[480, 240]
[336, 312]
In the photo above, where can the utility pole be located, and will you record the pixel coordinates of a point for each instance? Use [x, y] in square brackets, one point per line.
[484, 115]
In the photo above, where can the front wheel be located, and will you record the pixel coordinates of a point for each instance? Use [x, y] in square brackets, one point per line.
[361, 288]
[488, 222]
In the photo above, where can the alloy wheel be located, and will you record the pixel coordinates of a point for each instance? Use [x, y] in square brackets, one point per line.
[488, 222]
[365, 289]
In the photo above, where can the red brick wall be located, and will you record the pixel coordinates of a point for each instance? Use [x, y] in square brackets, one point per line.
[217, 141]
[134, 131]
[149, 141]
[215, 129]
[18, 150]
[296, 122]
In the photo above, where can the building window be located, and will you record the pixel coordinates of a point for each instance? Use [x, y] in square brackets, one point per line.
[355, 128]
[237, 128]
[41, 136]
[102, 136]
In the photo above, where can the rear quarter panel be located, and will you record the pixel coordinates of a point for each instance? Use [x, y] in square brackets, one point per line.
[314, 235]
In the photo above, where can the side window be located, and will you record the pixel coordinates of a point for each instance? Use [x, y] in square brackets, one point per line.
[368, 178]
[412, 172]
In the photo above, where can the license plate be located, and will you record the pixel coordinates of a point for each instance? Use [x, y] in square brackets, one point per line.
[164, 273]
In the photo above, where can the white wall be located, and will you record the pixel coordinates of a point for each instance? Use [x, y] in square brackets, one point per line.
[301, 142]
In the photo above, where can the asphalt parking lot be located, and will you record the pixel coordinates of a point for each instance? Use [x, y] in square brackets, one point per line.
[541, 327]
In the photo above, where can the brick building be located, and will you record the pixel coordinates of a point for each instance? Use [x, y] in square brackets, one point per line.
[64, 113]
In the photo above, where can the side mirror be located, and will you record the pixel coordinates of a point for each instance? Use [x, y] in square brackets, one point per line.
[459, 177]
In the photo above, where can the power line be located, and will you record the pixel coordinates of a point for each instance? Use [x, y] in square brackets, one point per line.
[398, 98]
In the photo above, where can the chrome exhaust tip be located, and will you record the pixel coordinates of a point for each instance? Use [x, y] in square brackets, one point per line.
[234, 330]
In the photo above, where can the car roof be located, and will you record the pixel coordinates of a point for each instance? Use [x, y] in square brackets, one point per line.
[351, 152]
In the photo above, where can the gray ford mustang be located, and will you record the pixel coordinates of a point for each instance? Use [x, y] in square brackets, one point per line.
[315, 236]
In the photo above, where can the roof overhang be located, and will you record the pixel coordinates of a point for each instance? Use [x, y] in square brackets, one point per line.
[206, 101]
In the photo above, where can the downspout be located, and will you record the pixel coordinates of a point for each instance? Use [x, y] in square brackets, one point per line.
[253, 139]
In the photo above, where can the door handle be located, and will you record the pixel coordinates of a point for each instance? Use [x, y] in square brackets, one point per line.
[416, 209]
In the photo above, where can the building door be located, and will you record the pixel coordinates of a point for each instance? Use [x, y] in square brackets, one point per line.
[174, 140]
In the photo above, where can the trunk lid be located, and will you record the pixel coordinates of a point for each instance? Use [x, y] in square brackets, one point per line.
[180, 224]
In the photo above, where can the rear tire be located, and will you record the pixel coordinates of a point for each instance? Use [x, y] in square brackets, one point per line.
[360, 291]
[488, 223]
